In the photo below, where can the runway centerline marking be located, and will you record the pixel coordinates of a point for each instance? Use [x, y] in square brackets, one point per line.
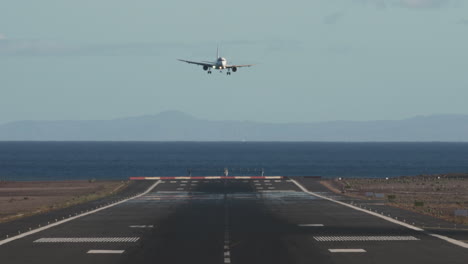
[347, 250]
[101, 251]
[2, 242]
[141, 226]
[227, 241]
[312, 225]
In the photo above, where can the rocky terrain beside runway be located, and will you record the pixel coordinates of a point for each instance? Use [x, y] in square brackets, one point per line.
[51, 201]
[332, 188]
[441, 196]
[21, 199]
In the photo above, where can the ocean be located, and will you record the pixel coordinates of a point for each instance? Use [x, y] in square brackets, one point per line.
[120, 160]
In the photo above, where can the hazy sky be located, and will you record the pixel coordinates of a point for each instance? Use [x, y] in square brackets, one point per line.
[317, 60]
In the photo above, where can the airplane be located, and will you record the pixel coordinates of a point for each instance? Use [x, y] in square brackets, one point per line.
[220, 64]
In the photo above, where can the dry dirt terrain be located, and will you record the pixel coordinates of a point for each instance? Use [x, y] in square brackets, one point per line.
[435, 195]
[20, 199]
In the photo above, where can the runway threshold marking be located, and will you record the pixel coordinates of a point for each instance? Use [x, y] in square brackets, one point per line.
[4, 241]
[363, 238]
[87, 240]
[102, 251]
[448, 239]
[347, 250]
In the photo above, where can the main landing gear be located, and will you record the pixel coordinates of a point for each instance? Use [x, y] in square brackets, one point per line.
[209, 72]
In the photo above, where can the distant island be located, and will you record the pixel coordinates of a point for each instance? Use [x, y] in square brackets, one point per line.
[178, 126]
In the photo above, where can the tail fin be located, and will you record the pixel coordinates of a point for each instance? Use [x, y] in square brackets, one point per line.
[217, 52]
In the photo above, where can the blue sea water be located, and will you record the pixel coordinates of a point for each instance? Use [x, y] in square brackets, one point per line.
[120, 160]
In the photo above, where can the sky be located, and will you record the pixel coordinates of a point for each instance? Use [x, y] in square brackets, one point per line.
[315, 60]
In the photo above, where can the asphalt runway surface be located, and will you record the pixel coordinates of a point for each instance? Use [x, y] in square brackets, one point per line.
[228, 221]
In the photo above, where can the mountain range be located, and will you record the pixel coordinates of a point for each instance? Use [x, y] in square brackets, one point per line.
[178, 126]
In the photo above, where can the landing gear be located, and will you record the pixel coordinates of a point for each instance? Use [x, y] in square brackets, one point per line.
[228, 72]
[209, 72]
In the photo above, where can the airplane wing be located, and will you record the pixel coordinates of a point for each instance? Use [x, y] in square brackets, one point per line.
[208, 64]
[238, 66]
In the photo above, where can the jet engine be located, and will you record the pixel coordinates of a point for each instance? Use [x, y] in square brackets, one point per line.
[205, 68]
[234, 69]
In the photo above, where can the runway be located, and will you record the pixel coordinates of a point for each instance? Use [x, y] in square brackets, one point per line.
[229, 221]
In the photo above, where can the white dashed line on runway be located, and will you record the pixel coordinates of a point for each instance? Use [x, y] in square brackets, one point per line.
[141, 226]
[347, 250]
[310, 225]
[364, 238]
[101, 251]
[86, 239]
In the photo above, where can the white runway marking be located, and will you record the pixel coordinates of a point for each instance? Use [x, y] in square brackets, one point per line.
[86, 239]
[100, 251]
[448, 239]
[2, 242]
[346, 250]
[277, 191]
[451, 240]
[173, 181]
[141, 226]
[306, 225]
[364, 238]
[357, 208]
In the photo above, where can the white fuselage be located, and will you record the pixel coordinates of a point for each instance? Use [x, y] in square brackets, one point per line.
[221, 63]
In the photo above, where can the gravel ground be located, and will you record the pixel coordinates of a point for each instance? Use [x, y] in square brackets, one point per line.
[435, 195]
[19, 199]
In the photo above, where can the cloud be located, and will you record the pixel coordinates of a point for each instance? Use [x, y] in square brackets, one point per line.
[424, 3]
[333, 18]
[31, 47]
[410, 4]
[2, 36]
